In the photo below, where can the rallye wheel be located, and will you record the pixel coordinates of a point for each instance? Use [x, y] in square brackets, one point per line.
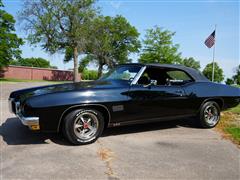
[83, 126]
[209, 115]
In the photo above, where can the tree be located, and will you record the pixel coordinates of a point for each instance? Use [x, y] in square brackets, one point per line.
[83, 64]
[158, 47]
[59, 25]
[9, 41]
[229, 81]
[191, 62]
[218, 72]
[236, 77]
[32, 62]
[112, 39]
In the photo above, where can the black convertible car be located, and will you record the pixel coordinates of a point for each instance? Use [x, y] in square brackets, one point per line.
[128, 94]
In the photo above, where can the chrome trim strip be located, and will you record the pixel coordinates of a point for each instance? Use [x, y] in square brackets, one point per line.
[28, 121]
[139, 74]
[82, 105]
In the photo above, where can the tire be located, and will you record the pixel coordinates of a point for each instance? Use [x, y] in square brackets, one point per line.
[83, 126]
[209, 115]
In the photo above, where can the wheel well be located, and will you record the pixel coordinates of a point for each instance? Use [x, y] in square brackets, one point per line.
[217, 100]
[100, 108]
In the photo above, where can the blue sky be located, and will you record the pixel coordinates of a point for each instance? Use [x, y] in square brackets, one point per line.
[193, 22]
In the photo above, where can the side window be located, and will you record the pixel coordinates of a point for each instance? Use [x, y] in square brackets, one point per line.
[177, 77]
[122, 73]
[164, 77]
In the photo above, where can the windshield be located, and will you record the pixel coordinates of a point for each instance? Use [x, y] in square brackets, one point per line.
[122, 73]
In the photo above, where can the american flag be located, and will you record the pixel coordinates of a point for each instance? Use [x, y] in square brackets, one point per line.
[209, 42]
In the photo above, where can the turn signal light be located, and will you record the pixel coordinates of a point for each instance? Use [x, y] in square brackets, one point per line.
[35, 127]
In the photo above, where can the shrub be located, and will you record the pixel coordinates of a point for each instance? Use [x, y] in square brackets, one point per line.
[89, 74]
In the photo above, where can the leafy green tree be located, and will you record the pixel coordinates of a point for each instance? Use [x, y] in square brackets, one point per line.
[218, 72]
[158, 47]
[83, 64]
[191, 62]
[32, 62]
[9, 42]
[59, 25]
[236, 77]
[229, 81]
[112, 40]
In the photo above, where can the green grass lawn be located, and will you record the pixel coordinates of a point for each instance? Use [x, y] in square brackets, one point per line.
[230, 124]
[235, 110]
[235, 132]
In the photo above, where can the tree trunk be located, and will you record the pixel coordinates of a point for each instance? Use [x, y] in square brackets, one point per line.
[75, 63]
[100, 68]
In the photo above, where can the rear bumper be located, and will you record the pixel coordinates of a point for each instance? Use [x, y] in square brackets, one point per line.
[31, 122]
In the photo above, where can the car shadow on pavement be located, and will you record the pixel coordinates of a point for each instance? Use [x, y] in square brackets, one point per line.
[14, 133]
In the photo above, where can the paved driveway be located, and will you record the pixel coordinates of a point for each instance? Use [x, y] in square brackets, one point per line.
[173, 150]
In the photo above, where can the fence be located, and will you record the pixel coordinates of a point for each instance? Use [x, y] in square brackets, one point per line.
[33, 73]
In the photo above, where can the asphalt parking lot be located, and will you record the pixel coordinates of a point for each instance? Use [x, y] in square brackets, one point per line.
[172, 150]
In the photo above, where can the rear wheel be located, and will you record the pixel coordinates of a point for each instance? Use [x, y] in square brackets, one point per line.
[83, 126]
[209, 114]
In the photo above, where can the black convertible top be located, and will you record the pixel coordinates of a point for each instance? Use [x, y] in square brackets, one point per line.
[195, 74]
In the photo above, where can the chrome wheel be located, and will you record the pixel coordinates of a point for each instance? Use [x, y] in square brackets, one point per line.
[86, 126]
[211, 115]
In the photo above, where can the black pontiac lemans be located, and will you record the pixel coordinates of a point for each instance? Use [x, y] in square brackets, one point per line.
[128, 94]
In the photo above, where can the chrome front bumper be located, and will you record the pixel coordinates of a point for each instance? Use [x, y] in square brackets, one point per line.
[31, 122]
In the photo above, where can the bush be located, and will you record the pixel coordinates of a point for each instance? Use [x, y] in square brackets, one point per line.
[89, 75]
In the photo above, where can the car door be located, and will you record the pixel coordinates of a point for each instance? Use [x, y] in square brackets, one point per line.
[157, 101]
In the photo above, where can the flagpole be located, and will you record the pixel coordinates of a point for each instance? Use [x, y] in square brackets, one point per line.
[213, 63]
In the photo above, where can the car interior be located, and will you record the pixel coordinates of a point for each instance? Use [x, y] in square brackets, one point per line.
[164, 76]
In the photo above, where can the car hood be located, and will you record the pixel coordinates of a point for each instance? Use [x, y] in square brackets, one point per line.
[91, 85]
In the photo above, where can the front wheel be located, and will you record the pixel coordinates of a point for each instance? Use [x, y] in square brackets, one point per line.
[209, 115]
[83, 126]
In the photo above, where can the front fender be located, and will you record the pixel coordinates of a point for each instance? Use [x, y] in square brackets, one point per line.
[50, 107]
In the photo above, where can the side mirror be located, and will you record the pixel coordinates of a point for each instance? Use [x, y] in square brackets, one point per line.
[130, 80]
